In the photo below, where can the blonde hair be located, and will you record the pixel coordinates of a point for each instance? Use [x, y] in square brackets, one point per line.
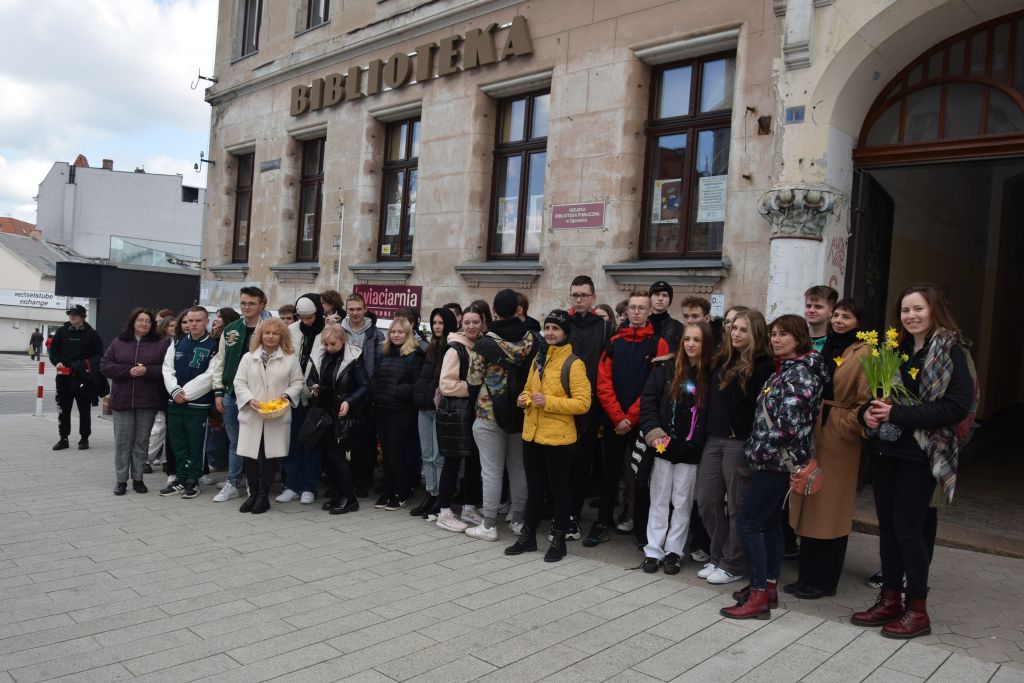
[272, 324]
[334, 331]
[410, 344]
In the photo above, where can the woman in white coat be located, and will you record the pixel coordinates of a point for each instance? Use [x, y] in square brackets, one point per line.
[269, 371]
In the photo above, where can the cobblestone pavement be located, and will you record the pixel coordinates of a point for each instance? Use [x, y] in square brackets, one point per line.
[95, 587]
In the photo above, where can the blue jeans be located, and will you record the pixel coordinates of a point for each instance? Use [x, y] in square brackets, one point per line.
[302, 466]
[432, 458]
[235, 461]
[216, 446]
[759, 525]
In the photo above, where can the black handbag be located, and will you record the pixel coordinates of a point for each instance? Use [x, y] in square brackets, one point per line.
[315, 427]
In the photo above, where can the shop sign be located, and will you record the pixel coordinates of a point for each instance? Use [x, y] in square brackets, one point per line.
[386, 300]
[446, 57]
[22, 297]
[589, 215]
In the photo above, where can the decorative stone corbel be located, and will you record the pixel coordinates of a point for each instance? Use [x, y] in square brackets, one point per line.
[797, 212]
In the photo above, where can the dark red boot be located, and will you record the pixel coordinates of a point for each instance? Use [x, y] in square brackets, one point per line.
[754, 607]
[912, 623]
[887, 608]
[773, 594]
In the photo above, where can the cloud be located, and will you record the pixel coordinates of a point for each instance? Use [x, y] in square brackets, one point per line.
[108, 78]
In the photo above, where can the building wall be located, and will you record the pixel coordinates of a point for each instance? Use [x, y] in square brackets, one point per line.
[84, 215]
[17, 322]
[600, 92]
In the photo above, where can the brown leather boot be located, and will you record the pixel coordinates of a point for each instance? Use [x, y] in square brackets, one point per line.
[914, 622]
[773, 594]
[887, 608]
[754, 607]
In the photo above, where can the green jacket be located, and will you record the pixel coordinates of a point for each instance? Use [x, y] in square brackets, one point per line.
[225, 364]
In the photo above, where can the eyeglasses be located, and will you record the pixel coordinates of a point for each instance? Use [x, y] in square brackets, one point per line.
[637, 309]
[580, 297]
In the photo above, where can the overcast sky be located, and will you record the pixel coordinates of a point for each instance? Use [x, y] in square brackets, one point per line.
[109, 79]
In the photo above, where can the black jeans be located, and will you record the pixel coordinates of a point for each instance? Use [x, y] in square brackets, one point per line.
[903, 489]
[71, 391]
[821, 562]
[396, 428]
[339, 470]
[583, 460]
[364, 453]
[547, 472]
[759, 525]
[614, 453]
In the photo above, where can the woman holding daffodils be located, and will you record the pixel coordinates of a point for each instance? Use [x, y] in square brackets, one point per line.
[913, 441]
[823, 521]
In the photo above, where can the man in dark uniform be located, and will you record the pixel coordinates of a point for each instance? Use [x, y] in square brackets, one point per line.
[75, 351]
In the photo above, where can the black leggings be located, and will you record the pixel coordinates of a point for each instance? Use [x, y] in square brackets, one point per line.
[260, 473]
[821, 561]
[903, 489]
[547, 472]
[583, 460]
[471, 482]
[339, 470]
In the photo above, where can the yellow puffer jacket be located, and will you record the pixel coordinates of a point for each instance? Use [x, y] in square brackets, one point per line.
[553, 425]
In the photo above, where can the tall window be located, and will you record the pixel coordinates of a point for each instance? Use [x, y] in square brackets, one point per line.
[252, 11]
[319, 12]
[688, 157]
[243, 207]
[520, 160]
[398, 210]
[311, 191]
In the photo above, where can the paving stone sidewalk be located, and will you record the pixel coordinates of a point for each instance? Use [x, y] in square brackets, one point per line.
[95, 587]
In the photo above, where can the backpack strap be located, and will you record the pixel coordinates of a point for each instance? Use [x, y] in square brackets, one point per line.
[566, 367]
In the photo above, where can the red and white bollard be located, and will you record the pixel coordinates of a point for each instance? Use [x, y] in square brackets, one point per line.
[39, 391]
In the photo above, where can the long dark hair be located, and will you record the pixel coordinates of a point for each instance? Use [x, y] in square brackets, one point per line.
[438, 344]
[739, 365]
[938, 303]
[128, 333]
[702, 365]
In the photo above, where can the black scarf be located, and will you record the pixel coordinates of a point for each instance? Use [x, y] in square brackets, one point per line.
[542, 353]
[309, 332]
[509, 329]
[835, 345]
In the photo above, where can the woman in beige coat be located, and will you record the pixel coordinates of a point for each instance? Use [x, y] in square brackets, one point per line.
[269, 371]
[823, 521]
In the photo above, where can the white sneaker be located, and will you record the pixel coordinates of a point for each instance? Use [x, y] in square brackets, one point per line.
[483, 533]
[699, 555]
[625, 526]
[470, 515]
[171, 479]
[707, 571]
[516, 527]
[206, 480]
[227, 492]
[307, 498]
[449, 522]
[287, 496]
[720, 577]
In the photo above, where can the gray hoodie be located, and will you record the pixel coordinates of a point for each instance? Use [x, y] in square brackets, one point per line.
[370, 339]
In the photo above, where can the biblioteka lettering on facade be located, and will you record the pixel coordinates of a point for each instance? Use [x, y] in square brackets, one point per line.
[451, 55]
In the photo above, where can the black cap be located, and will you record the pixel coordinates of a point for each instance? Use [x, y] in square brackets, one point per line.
[560, 318]
[661, 286]
[78, 309]
[505, 303]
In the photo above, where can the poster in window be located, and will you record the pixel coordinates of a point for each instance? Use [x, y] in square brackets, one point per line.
[535, 218]
[385, 249]
[711, 198]
[508, 208]
[393, 224]
[243, 232]
[666, 201]
[308, 227]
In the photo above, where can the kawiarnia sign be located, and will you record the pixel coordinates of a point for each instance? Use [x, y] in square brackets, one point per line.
[450, 55]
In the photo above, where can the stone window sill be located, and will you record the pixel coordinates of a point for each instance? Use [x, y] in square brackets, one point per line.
[509, 273]
[230, 271]
[382, 271]
[698, 276]
[296, 272]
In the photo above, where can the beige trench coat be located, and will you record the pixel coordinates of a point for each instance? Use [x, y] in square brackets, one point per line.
[281, 376]
[829, 512]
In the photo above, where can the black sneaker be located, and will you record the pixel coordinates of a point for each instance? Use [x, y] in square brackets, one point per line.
[573, 533]
[650, 565]
[191, 489]
[138, 486]
[83, 443]
[381, 503]
[147, 469]
[120, 488]
[598, 534]
[61, 445]
[526, 543]
[875, 580]
[394, 503]
[174, 489]
[672, 564]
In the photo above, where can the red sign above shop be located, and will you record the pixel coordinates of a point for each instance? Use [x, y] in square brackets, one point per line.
[386, 300]
[564, 216]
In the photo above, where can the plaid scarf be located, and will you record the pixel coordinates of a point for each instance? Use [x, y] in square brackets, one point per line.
[940, 445]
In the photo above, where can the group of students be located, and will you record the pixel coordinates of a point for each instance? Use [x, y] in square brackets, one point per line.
[489, 405]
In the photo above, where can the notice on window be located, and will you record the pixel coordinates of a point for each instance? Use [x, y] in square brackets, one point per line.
[711, 199]
[508, 214]
[666, 201]
[393, 224]
[308, 227]
[718, 305]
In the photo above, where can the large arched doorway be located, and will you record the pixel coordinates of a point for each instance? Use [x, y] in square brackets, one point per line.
[939, 196]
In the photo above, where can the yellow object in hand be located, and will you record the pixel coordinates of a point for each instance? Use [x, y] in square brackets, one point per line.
[271, 406]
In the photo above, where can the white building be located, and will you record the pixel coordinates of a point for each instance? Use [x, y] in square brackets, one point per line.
[128, 217]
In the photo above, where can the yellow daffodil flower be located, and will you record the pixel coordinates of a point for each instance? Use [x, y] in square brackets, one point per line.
[905, 358]
[874, 353]
[913, 373]
[892, 344]
[839, 360]
[891, 334]
[661, 446]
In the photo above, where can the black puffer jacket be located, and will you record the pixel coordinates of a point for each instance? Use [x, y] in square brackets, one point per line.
[668, 328]
[589, 338]
[343, 378]
[456, 413]
[394, 378]
[684, 425]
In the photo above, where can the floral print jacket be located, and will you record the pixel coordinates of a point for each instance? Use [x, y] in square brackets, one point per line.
[792, 398]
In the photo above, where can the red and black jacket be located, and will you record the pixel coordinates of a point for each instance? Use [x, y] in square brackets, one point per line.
[624, 369]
